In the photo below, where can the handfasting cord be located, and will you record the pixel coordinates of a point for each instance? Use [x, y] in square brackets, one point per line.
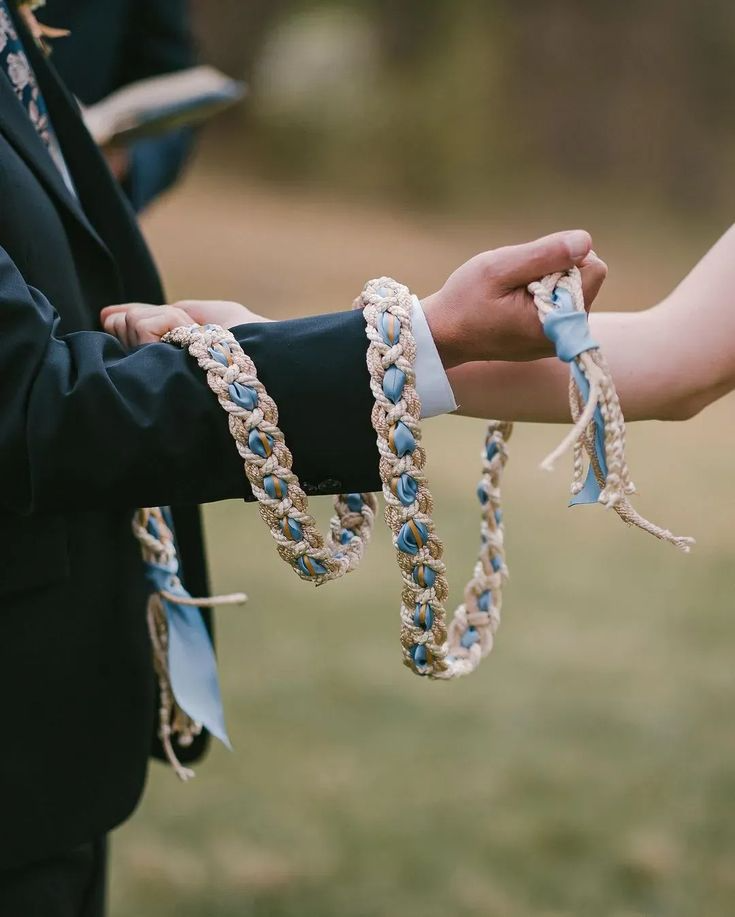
[430, 647]
[167, 604]
[599, 428]
[253, 421]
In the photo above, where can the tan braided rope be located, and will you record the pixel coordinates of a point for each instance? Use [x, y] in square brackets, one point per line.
[173, 722]
[430, 646]
[431, 650]
[617, 484]
[284, 506]
[253, 422]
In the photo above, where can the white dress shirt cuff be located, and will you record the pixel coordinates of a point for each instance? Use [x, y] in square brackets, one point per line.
[432, 383]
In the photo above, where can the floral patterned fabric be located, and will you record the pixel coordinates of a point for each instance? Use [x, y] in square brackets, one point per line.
[14, 62]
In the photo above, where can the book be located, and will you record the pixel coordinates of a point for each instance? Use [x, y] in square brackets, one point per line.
[160, 104]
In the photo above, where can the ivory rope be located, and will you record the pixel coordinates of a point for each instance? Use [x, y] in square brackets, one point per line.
[430, 646]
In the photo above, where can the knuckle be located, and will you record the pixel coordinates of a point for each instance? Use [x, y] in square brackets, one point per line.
[490, 264]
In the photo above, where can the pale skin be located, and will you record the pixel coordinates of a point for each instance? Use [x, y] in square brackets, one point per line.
[482, 312]
[668, 362]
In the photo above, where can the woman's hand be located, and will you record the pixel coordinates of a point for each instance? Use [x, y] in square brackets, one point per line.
[136, 323]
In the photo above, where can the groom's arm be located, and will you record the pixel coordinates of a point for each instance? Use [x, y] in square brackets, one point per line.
[85, 425]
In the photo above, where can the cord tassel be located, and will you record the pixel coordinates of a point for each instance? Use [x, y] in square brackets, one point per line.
[599, 426]
[159, 554]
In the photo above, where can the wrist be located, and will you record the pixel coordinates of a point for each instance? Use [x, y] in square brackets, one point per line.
[445, 337]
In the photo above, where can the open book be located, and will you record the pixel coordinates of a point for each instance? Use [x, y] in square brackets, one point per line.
[160, 104]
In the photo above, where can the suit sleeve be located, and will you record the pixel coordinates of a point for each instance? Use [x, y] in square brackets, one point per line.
[84, 425]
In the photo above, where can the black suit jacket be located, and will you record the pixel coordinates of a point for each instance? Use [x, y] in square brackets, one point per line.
[116, 42]
[88, 433]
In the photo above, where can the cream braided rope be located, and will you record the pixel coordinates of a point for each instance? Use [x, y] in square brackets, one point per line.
[430, 646]
[160, 549]
[616, 485]
[253, 422]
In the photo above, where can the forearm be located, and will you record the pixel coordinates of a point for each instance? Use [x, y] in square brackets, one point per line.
[538, 391]
[85, 425]
[668, 362]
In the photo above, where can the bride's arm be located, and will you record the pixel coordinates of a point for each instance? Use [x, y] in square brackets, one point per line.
[668, 362]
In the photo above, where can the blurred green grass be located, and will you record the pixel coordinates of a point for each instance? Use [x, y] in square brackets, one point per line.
[587, 768]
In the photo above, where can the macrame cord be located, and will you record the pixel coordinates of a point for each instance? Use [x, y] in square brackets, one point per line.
[599, 426]
[159, 555]
[430, 647]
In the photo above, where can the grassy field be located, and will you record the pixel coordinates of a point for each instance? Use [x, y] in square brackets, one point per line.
[587, 769]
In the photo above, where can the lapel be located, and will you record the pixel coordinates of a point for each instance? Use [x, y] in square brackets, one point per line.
[20, 132]
[101, 211]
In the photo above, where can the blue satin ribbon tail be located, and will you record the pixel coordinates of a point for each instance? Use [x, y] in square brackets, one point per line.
[192, 665]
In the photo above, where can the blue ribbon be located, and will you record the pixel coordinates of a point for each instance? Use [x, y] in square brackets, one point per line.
[405, 488]
[393, 383]
[569, 331]
[424, 576]
[469, 637]
[310, 566]
[192, 664]
[591, 491]
[354, 502]
[423, 616]
[244, 396]
[400, 439]
[412, 537]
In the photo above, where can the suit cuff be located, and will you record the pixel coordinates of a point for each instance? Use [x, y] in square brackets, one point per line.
[432, 383]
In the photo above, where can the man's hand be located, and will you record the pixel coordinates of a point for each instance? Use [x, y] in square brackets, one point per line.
[485, 312]
[137, 323]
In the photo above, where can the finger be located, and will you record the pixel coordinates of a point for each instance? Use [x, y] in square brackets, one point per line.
[178, 317]
[115, 325]
[594, 273]
[519, 265]
[148, 324]
[225, 313]
[149, 330]
[121, 307]
[200, 311]
[152, 327]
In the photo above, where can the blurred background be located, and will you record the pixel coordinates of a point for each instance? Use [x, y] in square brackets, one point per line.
[588, 768]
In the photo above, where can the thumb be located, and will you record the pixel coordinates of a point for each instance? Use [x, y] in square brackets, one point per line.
[519, 265]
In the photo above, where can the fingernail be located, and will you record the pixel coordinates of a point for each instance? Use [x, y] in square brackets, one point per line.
[578, 244]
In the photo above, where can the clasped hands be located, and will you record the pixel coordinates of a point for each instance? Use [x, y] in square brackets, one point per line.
[482, 312]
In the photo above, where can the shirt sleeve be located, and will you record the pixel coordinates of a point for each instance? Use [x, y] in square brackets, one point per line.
[432, 382]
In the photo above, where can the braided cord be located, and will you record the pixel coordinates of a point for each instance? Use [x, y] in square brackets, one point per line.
[284, 507]
[428, 647]
[158, 548]
[614, 480]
